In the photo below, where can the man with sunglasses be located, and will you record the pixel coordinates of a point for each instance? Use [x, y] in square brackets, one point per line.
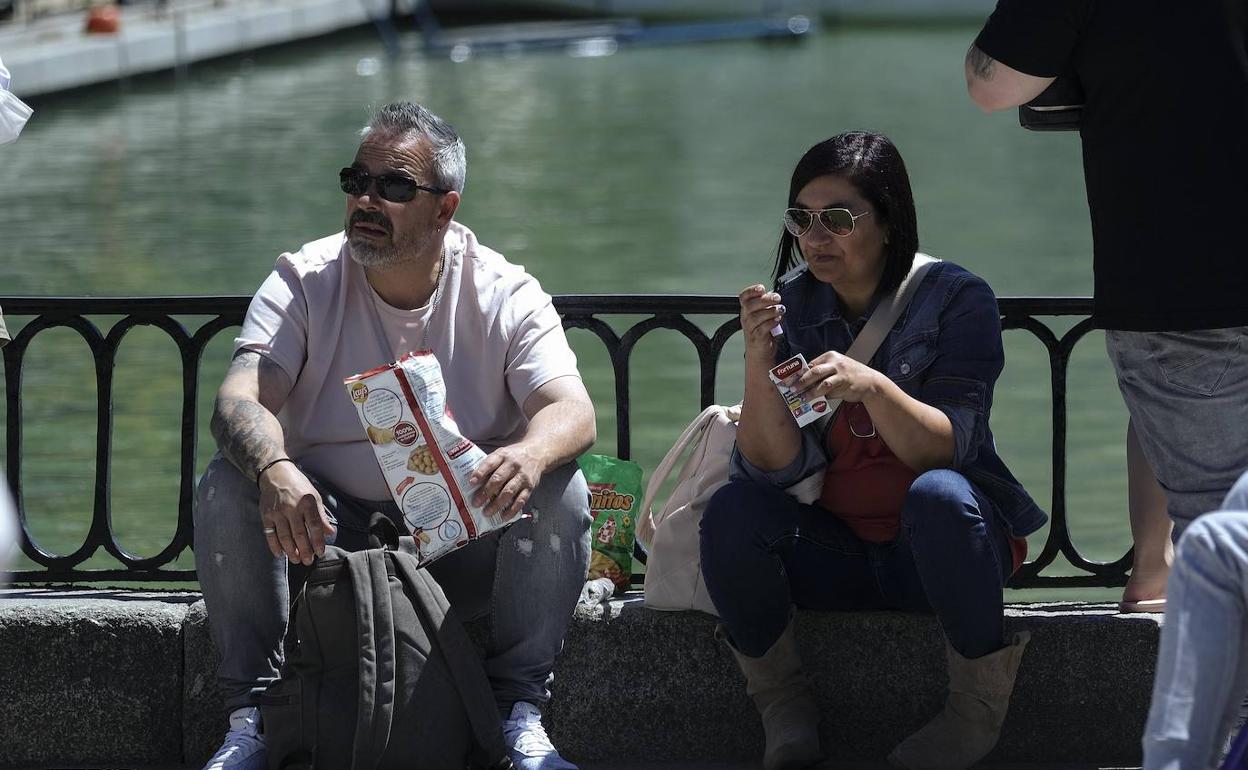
[296, 471]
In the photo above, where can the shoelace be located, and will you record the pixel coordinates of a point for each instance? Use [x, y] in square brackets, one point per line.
[532, 735]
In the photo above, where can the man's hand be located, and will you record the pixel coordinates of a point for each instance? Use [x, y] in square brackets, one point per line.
[505, 480]
[292, 514]
[245, 425]
[561, 426]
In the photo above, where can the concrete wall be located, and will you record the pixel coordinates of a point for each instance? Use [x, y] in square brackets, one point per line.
[106, 678]
[56, 55]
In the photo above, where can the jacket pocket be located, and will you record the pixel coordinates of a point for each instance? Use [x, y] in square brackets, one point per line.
[908, 360]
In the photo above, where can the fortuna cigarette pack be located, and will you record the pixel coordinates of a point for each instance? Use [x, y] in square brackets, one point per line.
[804, 408]
[425, 460]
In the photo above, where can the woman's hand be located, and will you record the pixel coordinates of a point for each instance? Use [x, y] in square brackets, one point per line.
[766, 435]
[760, 312]
[921, 436]
[834, 375]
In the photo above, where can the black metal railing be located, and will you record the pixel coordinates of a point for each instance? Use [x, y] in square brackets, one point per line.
[579, 311]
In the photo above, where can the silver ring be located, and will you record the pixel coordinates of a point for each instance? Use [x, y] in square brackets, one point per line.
[270, 530]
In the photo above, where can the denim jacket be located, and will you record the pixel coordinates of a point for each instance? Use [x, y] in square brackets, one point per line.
[945, 350]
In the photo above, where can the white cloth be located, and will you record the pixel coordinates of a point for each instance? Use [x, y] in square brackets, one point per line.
[13, 111]
[495, 333]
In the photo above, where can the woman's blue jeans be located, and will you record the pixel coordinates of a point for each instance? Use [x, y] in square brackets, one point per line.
[763, 551]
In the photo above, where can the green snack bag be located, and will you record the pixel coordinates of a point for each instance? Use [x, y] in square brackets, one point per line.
[614, 494]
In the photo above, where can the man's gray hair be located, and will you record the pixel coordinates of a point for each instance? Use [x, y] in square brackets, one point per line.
[450, 164]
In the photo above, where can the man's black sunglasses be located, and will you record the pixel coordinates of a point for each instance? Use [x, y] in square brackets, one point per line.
[392, 187]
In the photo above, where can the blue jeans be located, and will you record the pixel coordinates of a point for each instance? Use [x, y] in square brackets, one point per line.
[525, 578]
[1187, 393]
[763, 551]
[1202, 668]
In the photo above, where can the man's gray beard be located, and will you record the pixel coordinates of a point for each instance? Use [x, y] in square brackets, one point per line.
[383, 257]
[368, 255]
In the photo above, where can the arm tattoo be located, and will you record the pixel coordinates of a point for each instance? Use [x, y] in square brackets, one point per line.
[244, 432]
[982, 65]
[246, 359]
[247, 433]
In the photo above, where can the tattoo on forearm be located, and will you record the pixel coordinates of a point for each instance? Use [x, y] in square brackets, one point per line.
[246, 359]
[244, 432]
[982, 65]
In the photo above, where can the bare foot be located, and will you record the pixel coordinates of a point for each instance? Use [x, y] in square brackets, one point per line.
[1145, 591]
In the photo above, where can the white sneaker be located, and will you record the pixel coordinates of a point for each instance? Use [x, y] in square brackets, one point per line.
[243, 748]
[527, 743]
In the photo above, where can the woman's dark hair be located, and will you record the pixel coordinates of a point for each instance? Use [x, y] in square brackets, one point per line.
[871, 163]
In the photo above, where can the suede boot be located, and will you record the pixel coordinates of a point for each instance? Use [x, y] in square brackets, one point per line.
[782, 696]
[968, 727]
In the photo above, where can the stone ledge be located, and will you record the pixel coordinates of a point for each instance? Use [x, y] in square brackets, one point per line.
[660, 688]
[126, 678]
[90, 678]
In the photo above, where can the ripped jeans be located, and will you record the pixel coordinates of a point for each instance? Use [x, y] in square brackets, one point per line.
[525, 578]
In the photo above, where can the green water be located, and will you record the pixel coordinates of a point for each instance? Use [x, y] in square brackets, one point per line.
[659, 170]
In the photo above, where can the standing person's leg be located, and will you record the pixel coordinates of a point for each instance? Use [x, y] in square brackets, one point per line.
[762, 552]
[955, 556]
[1181, 388]
[1202, 670]
[1153, 549]
[527, 578]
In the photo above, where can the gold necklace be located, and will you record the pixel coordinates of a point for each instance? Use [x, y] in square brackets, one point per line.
[433, 306]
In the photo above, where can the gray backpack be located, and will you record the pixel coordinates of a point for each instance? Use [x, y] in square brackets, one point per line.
[379, 672]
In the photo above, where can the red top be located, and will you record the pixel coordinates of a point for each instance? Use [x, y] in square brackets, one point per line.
[865, 485]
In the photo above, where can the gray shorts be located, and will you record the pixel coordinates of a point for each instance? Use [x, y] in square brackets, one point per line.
[1187, 393]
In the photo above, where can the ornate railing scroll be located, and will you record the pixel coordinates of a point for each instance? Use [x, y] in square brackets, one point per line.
[35, 315]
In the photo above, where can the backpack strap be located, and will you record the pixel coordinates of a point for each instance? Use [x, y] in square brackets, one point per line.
[695, 431]
[374, 627]
[451, 640]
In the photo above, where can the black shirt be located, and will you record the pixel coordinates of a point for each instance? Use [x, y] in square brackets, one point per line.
[1165, 147]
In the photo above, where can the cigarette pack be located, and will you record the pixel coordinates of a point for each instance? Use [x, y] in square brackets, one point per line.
[804, 407]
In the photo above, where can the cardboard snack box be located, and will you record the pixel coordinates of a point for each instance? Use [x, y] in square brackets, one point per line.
[423, 457]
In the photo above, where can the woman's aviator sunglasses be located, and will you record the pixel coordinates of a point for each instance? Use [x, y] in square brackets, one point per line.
[395, 188]
[839, 222]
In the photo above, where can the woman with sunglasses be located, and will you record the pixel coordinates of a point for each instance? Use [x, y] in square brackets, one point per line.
[916, 512]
